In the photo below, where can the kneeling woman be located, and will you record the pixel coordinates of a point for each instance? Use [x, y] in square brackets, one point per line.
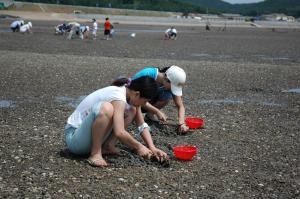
[89, 128]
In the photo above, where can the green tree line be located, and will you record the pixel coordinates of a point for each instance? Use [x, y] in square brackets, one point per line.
[155, 5]
[288, 7]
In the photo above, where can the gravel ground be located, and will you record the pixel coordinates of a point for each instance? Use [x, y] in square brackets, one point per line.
[249, 147]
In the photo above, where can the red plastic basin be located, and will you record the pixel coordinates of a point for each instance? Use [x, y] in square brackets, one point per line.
[194, 122]
[185, 152]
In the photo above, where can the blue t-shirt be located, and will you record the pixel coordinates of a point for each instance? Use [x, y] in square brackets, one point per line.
[163, 94]
[149, 72]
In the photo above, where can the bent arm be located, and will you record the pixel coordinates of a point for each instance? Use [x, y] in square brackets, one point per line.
[118, 126]
[152, 109]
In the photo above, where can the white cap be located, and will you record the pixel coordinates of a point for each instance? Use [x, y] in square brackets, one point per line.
[177, 77]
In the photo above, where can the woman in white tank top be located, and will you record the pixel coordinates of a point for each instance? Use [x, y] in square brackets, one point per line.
[89, 127]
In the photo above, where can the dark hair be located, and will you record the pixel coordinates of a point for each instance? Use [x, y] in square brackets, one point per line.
[145, 85]
[106, 18]
[163, 70]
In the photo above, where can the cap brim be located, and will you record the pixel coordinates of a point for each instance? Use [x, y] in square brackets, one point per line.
[176, 90]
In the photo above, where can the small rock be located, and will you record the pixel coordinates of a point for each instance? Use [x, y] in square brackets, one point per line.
[121, 179]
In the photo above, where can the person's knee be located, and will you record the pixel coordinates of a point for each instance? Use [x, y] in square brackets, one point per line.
[132, 111]
[107, 110]
[130, 115]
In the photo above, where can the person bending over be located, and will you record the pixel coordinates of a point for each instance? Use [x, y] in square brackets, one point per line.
[89, 127]
[170, 80]
[16, 25]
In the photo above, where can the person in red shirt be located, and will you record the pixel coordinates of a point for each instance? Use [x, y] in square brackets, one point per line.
[107, 27]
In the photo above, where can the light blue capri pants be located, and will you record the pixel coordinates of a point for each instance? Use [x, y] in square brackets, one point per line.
[79, 140]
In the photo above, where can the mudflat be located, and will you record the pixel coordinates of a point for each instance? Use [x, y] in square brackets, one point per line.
[244, 81]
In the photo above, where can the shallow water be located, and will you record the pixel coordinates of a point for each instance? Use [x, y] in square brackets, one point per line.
[5, 30]
[222, 56]
[7, 104]
[200, 55]
[220, 102]
[293, 90]
[211, 56]
[265, 57]
[72, 102]
[270, 104]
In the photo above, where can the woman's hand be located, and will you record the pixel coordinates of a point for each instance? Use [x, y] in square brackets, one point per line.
[160, 155]
[144, 152]
[182, 129]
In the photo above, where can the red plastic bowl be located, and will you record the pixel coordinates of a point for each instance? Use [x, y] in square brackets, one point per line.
[194, 122]
[185, 152]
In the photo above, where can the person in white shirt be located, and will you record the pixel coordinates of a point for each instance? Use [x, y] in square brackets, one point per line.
[16, 25]
[85, 31]
[89, 127]
[95, 28]
[75, 29]
[171, 33]
[26, 28]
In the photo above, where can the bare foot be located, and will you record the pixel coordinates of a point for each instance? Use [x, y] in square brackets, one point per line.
[97, 162]
[110, 150]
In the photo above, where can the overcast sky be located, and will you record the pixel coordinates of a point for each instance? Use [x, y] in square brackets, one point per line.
[242, 1]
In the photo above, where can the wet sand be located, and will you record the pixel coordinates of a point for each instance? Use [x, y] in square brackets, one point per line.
[237, 80]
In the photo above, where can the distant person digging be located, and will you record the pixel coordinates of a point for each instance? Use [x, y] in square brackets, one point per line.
[62, 29]
[16, 25]
[26, 28]
[85, 31]
[207, 26]
[171, 33]
[75, 29]
[107, 29]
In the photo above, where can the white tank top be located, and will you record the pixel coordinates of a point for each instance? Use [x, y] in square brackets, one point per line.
[107, 94]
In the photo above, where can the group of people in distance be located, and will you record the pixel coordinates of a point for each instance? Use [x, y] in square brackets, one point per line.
[75, 28]
[20, 26]
[101, 119]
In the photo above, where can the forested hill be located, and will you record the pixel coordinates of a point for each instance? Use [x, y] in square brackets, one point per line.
[289, 7]
[214, 4]
[156, 5]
